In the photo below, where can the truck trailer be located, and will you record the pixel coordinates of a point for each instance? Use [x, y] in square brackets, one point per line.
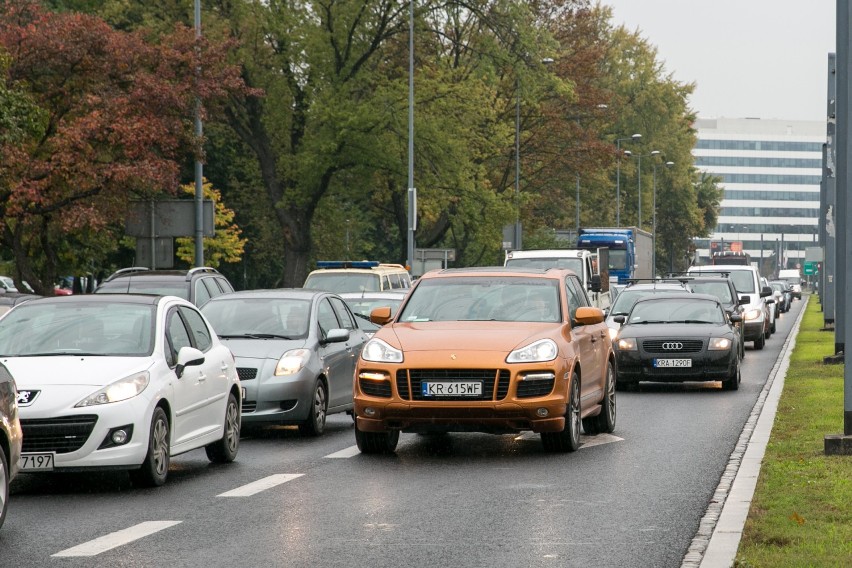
[631, 250]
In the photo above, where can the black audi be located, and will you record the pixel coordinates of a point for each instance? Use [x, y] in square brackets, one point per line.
[678, 338]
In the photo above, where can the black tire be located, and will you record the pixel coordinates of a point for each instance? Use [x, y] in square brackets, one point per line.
[568, 440]
[315, 423]
[759, 343]
[605, 421]
[732, 383]
[155, 467]
[376, 442]
[773, 326]
[4, 484]
[225, 449]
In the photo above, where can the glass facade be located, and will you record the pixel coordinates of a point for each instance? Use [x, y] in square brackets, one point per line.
[774, 195]
[746, 162]
[762, 145]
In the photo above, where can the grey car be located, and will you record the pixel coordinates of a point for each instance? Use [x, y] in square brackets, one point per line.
[10, 437]
[295, 351]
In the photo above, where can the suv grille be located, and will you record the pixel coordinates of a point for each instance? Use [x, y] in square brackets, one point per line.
[60, 435]
[489, 378]
[686, 345]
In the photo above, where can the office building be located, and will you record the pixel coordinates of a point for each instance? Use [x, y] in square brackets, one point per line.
[770, 171]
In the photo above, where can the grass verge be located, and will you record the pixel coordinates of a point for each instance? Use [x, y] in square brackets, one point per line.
[801, 514]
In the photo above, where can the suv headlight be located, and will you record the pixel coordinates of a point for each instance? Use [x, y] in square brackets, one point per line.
[752, 314]
[292, 362]
[377, 351]
[719, 344]
[538, 352]
[127, 387]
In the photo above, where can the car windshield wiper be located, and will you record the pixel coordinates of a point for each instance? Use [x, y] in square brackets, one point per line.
[648, 321]
[690, 321]
[61, 353]
[255, 336]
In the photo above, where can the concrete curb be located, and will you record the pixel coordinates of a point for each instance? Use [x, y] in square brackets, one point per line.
[718, 538]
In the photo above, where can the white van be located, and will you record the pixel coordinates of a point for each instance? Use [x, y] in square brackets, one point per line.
[341, 276]
[584, 263]
[793, 277]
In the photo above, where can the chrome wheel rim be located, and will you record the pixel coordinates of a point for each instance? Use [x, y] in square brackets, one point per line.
[319, 406]
[232, 427]
[160, 446]
[610, 394]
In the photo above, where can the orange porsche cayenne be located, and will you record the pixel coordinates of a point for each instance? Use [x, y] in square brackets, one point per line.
[493, 349]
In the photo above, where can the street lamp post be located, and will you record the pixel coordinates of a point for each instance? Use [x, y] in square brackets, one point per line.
[618, 142]
[412, 191]
[639, 157]
[654, 219]
[199, 186]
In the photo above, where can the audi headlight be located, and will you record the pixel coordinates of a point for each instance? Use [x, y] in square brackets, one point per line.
[538, 352]
[719, 344]
[377, 351]
[127, 387]
[292, 362]
[627, 344]
[752, 314]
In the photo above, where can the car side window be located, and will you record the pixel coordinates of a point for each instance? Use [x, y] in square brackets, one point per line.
[326, 318]
[394, 281]
[177, 337]
[202, 294]
[224, 285]
[198, 327]
[343, 314]
[576, 296]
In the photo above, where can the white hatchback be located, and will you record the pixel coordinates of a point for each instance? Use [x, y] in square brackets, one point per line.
[119, 381]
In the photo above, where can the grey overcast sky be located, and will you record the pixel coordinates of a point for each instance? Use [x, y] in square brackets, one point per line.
[748, 58]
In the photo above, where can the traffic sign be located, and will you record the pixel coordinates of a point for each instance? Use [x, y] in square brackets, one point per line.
[810, 268]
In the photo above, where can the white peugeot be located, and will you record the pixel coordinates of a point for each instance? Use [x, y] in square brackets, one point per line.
[119, 381]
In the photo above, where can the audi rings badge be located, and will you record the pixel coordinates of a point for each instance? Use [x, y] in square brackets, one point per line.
[673, 345]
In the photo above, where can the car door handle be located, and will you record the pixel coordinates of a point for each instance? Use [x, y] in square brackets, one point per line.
[202, 377]
[224, 367]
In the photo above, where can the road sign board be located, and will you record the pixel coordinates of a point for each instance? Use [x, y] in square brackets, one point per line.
[810, 268]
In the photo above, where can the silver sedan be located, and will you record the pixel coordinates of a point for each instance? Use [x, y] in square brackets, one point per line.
[295, 351]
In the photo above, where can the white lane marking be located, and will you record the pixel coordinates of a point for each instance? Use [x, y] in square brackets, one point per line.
[585, 441]
[118, 538]
[261, 485]
[347, 453]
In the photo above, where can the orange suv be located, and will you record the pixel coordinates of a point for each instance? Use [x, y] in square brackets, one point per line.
[498, 350]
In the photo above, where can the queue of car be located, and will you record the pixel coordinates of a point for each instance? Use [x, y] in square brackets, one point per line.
[158, 363]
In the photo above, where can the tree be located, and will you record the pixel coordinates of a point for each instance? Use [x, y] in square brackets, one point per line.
[226, 245]
[115, 114]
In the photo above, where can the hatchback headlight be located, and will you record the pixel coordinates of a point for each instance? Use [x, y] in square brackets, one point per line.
[377, 351]
[719, 344]
[627, 344]
[292, 362]
[752, 314]
[538, 352]
[127, 387]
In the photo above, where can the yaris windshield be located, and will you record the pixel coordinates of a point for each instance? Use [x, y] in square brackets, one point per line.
[273, 318]
[78, 328]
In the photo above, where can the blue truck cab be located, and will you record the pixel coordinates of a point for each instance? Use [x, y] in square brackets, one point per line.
[630, 250]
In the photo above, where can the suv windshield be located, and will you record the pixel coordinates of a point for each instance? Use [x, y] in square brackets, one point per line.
[575, 264]
[719, 289]
[139, 285]
[484, 299]
[743, 279]
[339, 282]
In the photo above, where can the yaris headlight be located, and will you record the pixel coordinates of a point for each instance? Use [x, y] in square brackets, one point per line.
[292, 362]
[127, 387]
[377, 351]
[538, 352]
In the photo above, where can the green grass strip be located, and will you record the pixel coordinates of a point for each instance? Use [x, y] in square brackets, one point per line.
[801, 515]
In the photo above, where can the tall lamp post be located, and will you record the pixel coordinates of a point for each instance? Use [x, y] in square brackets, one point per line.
[618, 142]
[654, 220]
[412, 191]
[518, 241]
[639, 157]
[199, 186]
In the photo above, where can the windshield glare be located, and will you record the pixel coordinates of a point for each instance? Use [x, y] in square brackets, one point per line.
[98, 328]
[287, 317]
[484, 299]
[574, 264]
[676, 310]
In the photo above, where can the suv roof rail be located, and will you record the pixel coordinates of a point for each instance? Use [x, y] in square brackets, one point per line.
[126, 271]
[197, 269]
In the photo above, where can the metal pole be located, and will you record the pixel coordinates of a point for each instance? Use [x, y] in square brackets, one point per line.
[517, 244]
[199, 186]
[639, 222]
[618, 182]
[654, 226]
[844, 177]
[578, 204]
[829, 278]
[412, 191]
